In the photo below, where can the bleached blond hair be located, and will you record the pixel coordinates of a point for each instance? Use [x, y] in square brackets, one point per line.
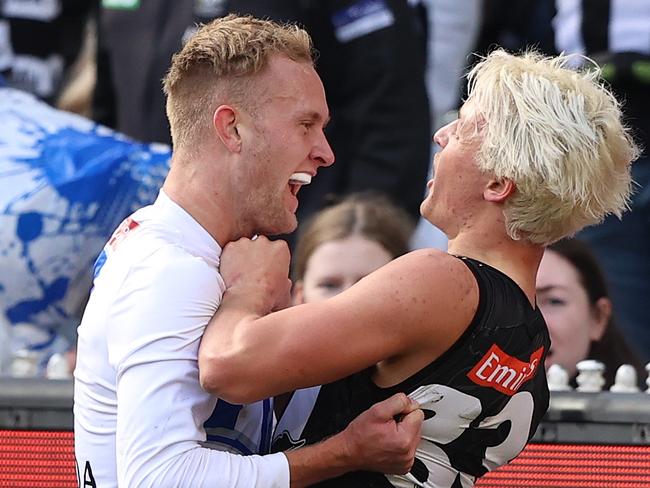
[557, 134]
[216, 66]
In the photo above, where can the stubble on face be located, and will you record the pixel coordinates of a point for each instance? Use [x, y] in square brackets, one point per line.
[279, 146]
[263, 204]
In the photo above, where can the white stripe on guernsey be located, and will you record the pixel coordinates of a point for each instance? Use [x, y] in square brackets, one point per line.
[297, 413]
[629, 26]
[227, 435]
[364, 25]
[566, 24]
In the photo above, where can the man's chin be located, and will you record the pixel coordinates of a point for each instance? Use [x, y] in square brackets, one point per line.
[290, 225]
[428, 213]
[286, 226]
[425, 210]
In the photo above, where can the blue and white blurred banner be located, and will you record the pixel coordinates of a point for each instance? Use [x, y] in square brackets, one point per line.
[65, 184]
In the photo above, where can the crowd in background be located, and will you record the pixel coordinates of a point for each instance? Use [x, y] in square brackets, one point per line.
[392, 71]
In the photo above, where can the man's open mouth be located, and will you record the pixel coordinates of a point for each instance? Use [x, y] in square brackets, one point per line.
[297, 180]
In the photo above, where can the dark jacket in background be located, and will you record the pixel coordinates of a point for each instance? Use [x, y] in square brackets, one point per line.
[371, 59]
[39, 42]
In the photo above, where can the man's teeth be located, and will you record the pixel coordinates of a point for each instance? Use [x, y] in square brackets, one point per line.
[300, 179]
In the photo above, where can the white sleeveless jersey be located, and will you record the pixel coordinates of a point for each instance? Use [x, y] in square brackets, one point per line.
[141, 417]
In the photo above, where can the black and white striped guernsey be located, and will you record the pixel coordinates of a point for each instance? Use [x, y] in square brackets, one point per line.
[483, 398]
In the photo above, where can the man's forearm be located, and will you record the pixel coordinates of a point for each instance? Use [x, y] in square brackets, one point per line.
[374, 441]
[318, 462]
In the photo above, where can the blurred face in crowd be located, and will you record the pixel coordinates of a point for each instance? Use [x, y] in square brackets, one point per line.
[285, 135]
[573, 322]
[335, 266]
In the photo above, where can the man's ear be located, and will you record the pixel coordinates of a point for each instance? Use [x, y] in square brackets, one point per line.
[498, 190]
[224, 122]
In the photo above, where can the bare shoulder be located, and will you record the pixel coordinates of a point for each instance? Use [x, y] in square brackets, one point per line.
[428, 257]
[430, 268]
[426, 278]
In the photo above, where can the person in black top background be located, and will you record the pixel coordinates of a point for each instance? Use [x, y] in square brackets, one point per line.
[39, 42]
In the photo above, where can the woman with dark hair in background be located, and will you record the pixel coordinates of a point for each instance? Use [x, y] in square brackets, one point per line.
[573, 297]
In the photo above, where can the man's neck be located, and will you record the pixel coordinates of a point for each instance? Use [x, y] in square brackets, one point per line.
[206, 202]
[517, 259]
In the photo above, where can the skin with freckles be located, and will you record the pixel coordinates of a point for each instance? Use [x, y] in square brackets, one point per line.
[341, 245]
[450, 203]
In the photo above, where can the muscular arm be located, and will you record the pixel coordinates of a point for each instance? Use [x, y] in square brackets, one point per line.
[417, 301]
[374, 441]
[152, 345]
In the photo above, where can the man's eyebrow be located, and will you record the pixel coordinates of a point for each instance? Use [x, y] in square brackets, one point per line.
[316, 117]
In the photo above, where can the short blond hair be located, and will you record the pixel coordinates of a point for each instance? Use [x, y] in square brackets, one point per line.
[216, 65]
[557, 134]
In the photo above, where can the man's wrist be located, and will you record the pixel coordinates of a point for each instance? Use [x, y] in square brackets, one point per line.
[346, 447]
[249, 301]
[327, 459]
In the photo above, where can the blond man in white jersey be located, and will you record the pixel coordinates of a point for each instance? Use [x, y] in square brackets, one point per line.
[247, 112]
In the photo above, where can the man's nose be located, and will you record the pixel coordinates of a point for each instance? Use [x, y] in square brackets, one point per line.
[323, 153]
[441, 137]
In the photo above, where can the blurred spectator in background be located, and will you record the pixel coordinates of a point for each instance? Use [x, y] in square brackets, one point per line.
[617, 35]
[453, 28]
[40, 41]
[135, 43]
[573, 297]
[515, 26]
[336, 248]
[66, 184]
[345, 242]
[371, 60]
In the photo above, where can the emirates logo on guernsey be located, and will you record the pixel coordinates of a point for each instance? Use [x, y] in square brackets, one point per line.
[503, 372]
